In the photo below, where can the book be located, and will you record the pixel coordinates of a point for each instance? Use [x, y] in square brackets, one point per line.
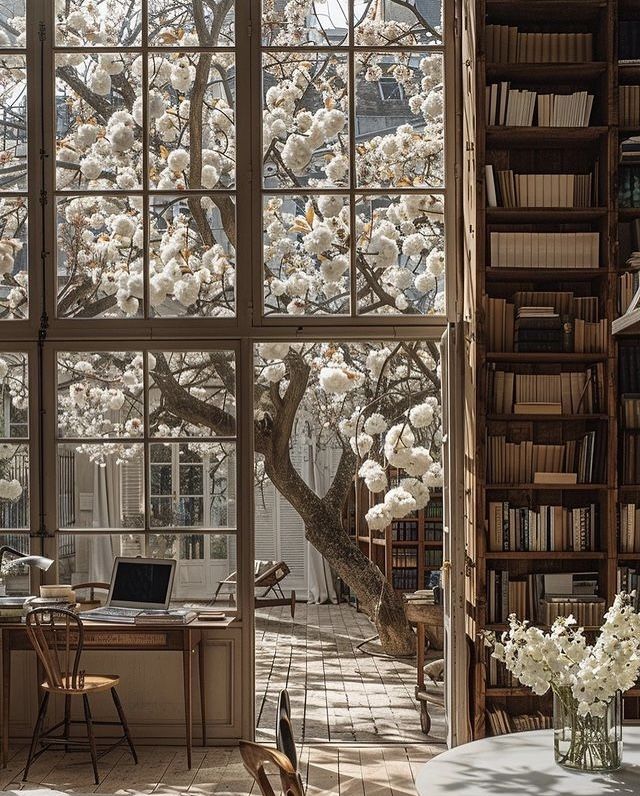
[555, 478]
[173, 616]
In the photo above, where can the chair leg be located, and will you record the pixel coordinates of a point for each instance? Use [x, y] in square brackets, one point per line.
[123, 721]
[37, 730]
[67, 720]
[92, 740]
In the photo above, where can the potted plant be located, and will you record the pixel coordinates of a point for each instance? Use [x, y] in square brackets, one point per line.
[587, 680]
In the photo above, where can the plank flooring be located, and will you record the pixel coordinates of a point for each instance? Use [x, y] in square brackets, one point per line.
[338, 693]
[328, 770]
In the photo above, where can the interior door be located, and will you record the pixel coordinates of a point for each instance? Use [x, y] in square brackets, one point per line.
[453, 570]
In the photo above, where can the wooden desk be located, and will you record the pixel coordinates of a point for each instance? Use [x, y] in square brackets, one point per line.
[129, 638]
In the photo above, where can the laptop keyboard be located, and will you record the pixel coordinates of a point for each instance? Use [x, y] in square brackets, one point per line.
[117, 611]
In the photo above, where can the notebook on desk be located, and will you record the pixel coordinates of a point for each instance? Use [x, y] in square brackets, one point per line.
[137, 585]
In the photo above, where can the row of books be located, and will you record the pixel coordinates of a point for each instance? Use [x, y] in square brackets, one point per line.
[403, 531]
[433, 559]
[629, 527]
[629, 106]
[628, 284]
[629, 369]
[570, 393]
[549, 528]
[537, 190]
[628, 579]
[629, 40]
[630, 411]
[629, 186]
[630, 458]
[545, 249]
[433, 534]
[499, 676]
[509, 596]
[404, 579]
[526, 462]
[406, 557]
[570, 333]
[507, 44]
[588, 611]
[503, 723]
[515, 107]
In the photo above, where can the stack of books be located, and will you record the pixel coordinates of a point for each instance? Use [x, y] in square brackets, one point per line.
[629, 106]
[630, 412]
[511, 595]
[576, 461]
[588, 611]
[538, 329]
[174, 616]
[507, 44]
[629, 527]
[513, 107]
[571, 392]
[629, 40]
[549, 528]
[537, 190]
[503, 723]
[545, 249]
[629, 188]
[421, 597]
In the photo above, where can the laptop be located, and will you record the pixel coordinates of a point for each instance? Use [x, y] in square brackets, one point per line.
[137, 584]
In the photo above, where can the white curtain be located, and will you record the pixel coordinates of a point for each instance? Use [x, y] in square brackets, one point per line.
[318, 473]
[106, 514]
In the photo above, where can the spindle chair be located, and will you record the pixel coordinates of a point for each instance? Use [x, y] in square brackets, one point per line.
[57, 636]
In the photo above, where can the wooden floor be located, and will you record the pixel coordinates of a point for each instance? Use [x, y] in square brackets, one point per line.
[327, 769]
[338, 693]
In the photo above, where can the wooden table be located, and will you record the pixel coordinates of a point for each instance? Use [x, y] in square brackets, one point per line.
[522, 763]
[130, 638]
[428, 619]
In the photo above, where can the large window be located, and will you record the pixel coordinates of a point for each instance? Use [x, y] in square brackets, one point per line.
[201, 175]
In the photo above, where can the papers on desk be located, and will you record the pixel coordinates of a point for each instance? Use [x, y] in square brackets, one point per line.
[174, 616]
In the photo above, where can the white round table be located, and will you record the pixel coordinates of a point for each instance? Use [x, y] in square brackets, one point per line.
[522, 764]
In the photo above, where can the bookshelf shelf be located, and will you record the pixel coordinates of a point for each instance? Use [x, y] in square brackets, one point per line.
[535, 215]
[544, 73]
[511, 356]
[525, 555]
[503, 11]
[546, 418]
[543, 274]
[543, 137]
[546, 487]
[628, 213]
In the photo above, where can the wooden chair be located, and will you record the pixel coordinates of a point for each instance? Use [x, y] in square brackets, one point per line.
[284, 730]
[57, 635]
[267, 576]
[255, 757]
[91, 588]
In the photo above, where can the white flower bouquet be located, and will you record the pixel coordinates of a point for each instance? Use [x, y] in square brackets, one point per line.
[586, 679]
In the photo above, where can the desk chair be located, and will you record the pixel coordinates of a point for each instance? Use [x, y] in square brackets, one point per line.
[57, 636]
[255, 757]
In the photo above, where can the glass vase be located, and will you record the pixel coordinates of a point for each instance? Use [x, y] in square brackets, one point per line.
[586, 743]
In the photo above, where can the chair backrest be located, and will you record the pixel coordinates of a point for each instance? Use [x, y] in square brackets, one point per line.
[272, 574]
[254, 758]
[284, 729]
[57, 637]
[91, 587]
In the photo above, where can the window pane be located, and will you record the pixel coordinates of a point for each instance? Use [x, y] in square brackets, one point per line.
[192, 393]
[16, 578]
[98, 121]
[100, 249]
[398, 23]
[172, 23]
[100, 486]
[13, 122]
[322, 24]
[192, 256]
[400, 133]
[191, 120]
[14, 281]
[14, 395]
[305, 120]
[205, 561]
[198, 487]
[86, 557]
[99, 23]
[306, 255]
[400, 254]
[100, 394]
[14, 486]
[12, 23]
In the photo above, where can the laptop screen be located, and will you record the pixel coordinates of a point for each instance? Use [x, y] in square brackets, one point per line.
[141, 583]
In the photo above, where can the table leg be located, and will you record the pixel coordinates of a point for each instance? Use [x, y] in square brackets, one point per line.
[6, 696]
[203, 694]
[421, 654]
[186, 674]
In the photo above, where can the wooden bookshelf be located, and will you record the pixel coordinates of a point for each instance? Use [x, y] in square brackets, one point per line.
[407, 551]
[542, 150]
